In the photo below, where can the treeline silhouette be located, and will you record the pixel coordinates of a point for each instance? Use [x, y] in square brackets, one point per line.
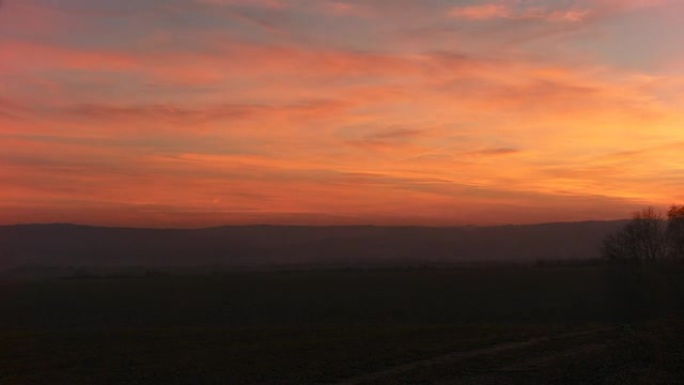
[646, 265]
[648, 238]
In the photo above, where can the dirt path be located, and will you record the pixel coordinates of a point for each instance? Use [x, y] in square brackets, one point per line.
[461, 355]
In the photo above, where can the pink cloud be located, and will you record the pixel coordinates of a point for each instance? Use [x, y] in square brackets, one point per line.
[506, 11]
[271, 4]
[342, 8]
[24, 56]
[481, 12]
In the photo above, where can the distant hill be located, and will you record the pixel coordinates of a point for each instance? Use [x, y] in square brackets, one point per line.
[72, 246]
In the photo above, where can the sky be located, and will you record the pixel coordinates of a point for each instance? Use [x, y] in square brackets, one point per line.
[193, 113]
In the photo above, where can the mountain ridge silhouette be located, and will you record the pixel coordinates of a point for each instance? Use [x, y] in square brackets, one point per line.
[74, 245]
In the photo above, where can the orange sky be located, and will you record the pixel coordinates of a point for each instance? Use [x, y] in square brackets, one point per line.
[207, 112]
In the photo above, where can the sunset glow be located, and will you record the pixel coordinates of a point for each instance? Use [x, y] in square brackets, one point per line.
[191, 113]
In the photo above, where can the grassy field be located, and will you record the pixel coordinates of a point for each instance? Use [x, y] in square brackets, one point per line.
[419, 326]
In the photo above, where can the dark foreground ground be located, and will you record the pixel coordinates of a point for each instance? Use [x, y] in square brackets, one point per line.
[513, 325]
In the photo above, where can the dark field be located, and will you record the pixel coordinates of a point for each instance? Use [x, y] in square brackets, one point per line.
[505, 325]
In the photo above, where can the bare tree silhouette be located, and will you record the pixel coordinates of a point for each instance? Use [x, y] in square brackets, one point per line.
[642, 240]
[675, 232]
[638, 286]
